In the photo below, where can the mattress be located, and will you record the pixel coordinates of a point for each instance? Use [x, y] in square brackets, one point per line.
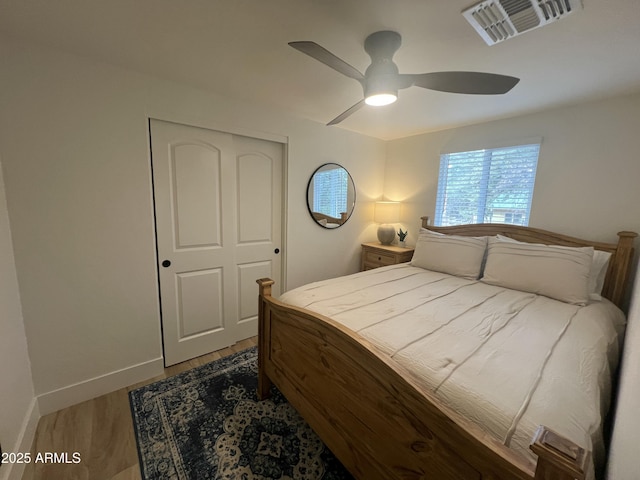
[505, 359]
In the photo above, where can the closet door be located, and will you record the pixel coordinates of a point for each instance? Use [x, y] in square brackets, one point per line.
[218, 204]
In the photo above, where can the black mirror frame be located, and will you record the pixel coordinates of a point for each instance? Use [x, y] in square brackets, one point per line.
[313, 214]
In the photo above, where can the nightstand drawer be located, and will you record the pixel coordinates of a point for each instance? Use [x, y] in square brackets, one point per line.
[379, 258]
[376, 255]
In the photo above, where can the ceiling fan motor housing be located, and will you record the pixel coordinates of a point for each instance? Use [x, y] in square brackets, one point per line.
[381, 75]
[379, 85]
[382, 44]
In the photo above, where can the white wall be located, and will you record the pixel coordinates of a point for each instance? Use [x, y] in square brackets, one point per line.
[588, 169]
[19, 409]
[623, 456]
[74, 145]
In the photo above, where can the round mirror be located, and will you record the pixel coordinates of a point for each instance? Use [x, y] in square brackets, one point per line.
[331, 195]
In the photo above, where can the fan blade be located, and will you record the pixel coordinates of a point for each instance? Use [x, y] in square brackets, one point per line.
[475, 83]
[346, 113]
[325, 56]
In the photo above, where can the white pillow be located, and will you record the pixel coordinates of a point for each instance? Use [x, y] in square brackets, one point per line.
[553, 271]
[599, 268]
[598, 271]
[452, 254]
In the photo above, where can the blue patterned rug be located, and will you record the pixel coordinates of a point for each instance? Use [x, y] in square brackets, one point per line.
[207, 423]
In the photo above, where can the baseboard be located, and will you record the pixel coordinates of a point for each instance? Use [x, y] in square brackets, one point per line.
[23, 444]
[79, 392]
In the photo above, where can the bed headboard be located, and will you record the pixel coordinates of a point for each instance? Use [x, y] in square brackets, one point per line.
[617, 278]
[323, 216]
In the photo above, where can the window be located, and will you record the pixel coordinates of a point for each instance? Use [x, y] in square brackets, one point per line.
[487, 186]
[330, 190]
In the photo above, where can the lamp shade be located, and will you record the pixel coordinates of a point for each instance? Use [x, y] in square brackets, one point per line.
[386, 212]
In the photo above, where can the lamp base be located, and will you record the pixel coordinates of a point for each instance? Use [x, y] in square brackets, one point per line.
[386, 234]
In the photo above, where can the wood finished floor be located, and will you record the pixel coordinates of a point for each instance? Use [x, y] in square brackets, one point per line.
[101, 430]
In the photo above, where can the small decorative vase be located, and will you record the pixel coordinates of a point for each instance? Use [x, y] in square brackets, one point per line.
[402, 244]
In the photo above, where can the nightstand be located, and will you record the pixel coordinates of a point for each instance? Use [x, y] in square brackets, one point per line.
[376, 255]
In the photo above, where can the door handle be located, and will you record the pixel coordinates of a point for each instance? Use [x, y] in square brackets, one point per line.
[166, 263]
[276, 251]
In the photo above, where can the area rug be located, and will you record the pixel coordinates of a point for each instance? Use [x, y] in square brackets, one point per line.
[207, 423]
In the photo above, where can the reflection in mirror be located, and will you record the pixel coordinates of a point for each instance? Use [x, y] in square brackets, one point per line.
[331, 195]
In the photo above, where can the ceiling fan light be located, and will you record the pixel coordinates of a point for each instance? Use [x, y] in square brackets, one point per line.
[381, 99]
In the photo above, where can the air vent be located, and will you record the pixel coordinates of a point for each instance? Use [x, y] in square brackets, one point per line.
[498, 20]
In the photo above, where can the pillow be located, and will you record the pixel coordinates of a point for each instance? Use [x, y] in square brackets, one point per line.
[557, 272]
[599, 268]
[452, 254]
[597, 273]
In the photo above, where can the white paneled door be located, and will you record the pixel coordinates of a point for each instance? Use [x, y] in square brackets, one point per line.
[218, 204]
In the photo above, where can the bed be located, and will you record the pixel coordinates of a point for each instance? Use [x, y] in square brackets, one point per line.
[340, 365]
[328, 221]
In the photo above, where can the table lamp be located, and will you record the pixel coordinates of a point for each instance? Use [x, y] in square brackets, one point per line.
[386, 213]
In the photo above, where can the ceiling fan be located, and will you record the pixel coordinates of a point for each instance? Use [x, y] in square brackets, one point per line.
[382, 80]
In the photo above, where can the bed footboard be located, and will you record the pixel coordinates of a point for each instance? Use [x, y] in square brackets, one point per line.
[371, 415]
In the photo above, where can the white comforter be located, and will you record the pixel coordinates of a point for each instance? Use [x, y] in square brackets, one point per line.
[506, 359]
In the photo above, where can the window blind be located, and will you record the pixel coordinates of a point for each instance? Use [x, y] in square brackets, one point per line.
[330, 189]
[487, 186]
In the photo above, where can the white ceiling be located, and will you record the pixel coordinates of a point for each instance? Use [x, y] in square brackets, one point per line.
[238, 48]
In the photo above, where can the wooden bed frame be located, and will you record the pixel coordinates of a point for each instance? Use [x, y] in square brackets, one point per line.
[318, 217]
[376, 420]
